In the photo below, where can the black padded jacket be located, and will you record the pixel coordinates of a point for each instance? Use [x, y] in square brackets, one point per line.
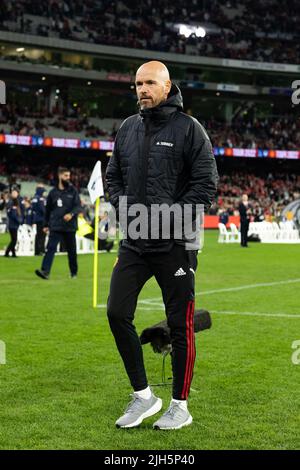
[59, 203]
[162, 155]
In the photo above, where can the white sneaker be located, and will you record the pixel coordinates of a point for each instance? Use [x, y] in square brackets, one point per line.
[137, 410]
[174, 418]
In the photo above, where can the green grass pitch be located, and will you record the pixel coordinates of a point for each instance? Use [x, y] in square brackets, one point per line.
[63, 385]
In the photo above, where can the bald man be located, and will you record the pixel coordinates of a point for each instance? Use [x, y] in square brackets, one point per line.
[161, 156]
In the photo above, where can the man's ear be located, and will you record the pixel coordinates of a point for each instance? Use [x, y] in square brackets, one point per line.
[168, 86]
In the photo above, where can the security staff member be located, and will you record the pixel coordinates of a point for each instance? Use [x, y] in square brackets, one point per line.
[62, 208]
[39, 212]
[161, 155]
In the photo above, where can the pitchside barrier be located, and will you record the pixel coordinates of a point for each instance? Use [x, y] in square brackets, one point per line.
[271, 232]
[267, 232]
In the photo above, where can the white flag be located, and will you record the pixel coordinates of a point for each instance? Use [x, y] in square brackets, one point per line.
[95, 185]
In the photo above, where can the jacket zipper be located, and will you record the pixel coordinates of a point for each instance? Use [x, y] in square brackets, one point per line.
[145, 157]
[144, 173]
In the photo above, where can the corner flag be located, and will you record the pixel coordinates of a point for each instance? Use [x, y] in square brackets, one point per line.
[95, 188]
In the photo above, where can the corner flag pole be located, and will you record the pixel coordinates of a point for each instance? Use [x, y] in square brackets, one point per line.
[95, 273]
[95, 188]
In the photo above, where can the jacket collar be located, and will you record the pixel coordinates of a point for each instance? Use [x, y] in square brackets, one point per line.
[164, 110]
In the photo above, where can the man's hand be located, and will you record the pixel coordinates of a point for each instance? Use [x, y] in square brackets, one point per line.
[67, 217]
[45, 229]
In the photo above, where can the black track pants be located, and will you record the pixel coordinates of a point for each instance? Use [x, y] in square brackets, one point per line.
[244, 232]
[174, 272]
[69, 238]
[39, 246]
[13, 241]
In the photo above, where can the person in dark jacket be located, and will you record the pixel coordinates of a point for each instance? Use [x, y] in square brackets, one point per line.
[245, 212]
[28, 213]
[62, 209]
[161, 156]
[39, 212]
[224, 217]
[15, 217]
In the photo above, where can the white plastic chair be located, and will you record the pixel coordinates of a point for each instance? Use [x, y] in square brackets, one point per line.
[289, 232]
[26, 240]
[84, 245]
[235, 235]
[277, 233]
[224, 236]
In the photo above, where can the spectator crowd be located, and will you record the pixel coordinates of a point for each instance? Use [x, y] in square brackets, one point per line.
[268, 196]
[256, 30]
[24, 121]
[17, 171]
[273, 132]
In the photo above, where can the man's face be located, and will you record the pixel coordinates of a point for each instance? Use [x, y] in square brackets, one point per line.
[151, 89]
[65, 176]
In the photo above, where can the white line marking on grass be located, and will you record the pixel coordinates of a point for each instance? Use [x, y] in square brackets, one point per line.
[156, 302]
[229, 289]
[249, 286]
[141, 307]
[150, 302]
[24, 281]
[225, 312]
[257, 314]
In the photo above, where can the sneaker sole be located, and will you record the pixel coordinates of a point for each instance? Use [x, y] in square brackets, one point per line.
[152, 411]
[41, 276]
[186, 423]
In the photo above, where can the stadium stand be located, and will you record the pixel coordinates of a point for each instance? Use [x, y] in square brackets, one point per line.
[251, 30]
[268, 195]
[240, 109]
[31, 122]
[273, 132]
